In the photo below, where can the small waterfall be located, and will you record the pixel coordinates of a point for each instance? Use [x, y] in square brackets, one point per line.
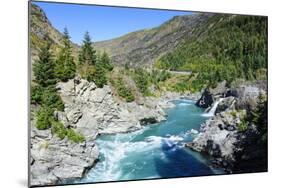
[213, 109]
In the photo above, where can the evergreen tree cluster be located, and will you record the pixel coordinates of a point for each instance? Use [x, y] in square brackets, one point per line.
[259, 118]
[93, 67]
[43, 93]
[142, 80]
[65, 68]
[48, 70]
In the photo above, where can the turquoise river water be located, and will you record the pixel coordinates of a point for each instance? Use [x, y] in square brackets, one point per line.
[156, 151]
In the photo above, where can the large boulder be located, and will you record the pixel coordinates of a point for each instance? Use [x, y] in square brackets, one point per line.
[216, 137]
[53, 159]
[206, 100]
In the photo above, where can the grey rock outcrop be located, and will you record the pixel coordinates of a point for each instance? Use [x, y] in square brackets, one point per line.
[247, 96]
[88, 106]
[217, 136]
[53, 159]
[220, 136]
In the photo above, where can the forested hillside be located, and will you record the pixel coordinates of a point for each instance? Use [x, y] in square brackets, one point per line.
[227, 47]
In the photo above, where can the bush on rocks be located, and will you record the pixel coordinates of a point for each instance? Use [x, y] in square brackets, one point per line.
[43, 118]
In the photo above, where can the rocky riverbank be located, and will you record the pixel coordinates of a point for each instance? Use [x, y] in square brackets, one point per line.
[91, 111]
[230, 137]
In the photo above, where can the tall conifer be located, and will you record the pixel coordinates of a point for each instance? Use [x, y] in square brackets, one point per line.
[65, 65]
[44, 67]
[87, 54]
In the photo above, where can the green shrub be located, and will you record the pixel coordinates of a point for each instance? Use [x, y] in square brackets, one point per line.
[243, 126]
[181, 86]
[234, 113]
[75, 137]
[36, 94]
[62, 132]
[59, 129]
[157, 76]
[43, 118]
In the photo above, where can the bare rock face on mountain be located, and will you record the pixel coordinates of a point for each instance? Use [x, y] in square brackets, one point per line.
[41, 27]
[142, 48]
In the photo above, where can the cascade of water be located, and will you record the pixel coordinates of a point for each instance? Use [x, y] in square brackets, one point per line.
[213, 108]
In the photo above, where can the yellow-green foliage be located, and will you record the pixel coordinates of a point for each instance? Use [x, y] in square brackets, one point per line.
[233, 113]
[74, 136]
[59, 129]
[145, 78]
[35, 41]
[87, 71]
[43, 118]
[243, 125]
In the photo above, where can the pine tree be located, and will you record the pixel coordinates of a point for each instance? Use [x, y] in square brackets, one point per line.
[65, 67]
[44, 67]
[105, 60]
[87, 54]
[100, 75]
[259, 115]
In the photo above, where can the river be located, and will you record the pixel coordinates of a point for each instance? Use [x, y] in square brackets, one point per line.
[156, 151]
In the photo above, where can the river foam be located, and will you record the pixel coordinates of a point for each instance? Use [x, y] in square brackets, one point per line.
[153, 152]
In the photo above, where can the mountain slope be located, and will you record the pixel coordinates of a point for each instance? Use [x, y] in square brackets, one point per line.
[40, 26]
[145, 46]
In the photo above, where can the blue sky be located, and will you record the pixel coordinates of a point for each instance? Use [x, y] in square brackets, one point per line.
[103, 22]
